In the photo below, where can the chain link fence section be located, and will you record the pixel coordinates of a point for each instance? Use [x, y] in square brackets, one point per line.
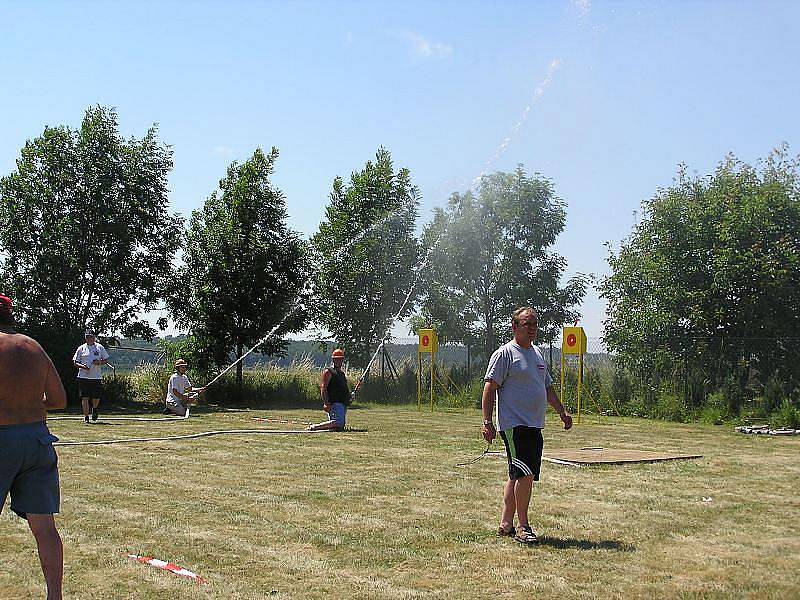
[710, 378]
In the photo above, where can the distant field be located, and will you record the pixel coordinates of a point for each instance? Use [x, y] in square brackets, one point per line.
[127, 360]
[385, 513]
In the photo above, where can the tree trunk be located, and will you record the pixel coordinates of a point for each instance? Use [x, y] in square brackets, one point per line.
[239, 367]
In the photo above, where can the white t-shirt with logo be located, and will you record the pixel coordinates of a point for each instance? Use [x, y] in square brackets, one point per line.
[523, 378]
[180, 383]
[85, 354]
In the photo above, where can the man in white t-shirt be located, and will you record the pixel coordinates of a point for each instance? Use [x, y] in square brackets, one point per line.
[89, 359]
[180, 392]
[517, 376]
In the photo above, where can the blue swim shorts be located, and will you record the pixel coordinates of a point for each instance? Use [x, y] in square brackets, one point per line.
[29, 469]
[337, 413]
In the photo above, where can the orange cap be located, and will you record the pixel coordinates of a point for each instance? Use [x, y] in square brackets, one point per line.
[338, 353]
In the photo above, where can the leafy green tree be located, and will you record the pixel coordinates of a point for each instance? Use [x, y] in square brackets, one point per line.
[490, 254]
[244, 268]
[712, 270]
[85, 235]
[367, 253]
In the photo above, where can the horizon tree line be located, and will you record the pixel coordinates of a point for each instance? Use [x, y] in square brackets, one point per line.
[87, 240]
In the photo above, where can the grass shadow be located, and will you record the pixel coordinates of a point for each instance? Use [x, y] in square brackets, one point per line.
[572, 543]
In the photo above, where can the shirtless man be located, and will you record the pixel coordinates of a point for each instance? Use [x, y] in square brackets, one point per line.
[29, 387]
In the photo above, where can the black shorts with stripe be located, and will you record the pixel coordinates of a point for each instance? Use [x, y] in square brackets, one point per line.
[524, 451]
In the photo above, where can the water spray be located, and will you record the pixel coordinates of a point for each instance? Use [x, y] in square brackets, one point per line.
[538, 93]
[554, 65]
[418, 269]
[540, 89]
[297, 302]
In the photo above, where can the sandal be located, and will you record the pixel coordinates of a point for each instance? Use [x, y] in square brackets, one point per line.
[526, 535]
[510, 532]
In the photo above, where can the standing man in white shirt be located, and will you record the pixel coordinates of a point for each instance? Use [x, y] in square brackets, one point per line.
[180, 392]
[518, 376]
[89, 359]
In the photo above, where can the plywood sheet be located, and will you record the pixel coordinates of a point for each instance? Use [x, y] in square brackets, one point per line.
[613, 456]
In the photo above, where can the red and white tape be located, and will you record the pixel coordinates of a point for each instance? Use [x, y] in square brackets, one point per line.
[167, 566]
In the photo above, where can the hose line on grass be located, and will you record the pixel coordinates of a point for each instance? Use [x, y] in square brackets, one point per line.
[151, 419]
[187, 437]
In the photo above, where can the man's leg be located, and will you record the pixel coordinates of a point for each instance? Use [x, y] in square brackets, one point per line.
[51, 552]
[522, 497]
[177, 409]
[336, 422]
[85, 407]
[95, 404]
[509, 505]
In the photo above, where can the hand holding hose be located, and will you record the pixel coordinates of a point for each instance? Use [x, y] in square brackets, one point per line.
[488, 431]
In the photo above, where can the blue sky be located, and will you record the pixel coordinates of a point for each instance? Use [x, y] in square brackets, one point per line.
[604, 98]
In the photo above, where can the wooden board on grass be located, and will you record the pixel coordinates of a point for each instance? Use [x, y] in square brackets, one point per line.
[611, 456]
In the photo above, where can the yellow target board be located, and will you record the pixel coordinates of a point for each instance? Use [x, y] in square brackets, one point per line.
[573, 341]
[428, 342]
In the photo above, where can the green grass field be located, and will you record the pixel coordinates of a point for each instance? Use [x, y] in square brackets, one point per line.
[384, 512]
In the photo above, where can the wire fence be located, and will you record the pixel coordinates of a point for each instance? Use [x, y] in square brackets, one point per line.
[711, 379]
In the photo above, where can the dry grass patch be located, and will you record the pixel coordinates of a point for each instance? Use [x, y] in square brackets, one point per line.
[385, 513]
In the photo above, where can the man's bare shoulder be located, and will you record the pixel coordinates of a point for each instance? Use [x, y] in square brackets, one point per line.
[15, 337]
[19, 342]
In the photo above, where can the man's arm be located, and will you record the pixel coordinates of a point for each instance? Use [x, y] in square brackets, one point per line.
[76, 364]
[487, 407]
[181, 395]
[323, 388]
[552, 400]
[55, 398]
[104, 356]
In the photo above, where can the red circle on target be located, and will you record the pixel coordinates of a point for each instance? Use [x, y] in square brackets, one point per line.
[571, 339]
[425, 340]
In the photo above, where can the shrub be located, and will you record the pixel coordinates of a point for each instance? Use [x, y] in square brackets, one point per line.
[774, 394]
[621, 390]
[296, 385]
[149, 383]
[786, 416]
[669, 407]
[717, 406]
[732, 394]
[118, 390]
[712, 415]
[467, 396]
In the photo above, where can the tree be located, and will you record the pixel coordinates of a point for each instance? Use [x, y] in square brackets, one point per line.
[713, 260]
[490, 254]
[85, 236]
[244, 268]
[367, 254]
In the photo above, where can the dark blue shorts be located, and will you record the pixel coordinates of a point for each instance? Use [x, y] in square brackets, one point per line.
[29, 469]
[90, 388]
[524, 451]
